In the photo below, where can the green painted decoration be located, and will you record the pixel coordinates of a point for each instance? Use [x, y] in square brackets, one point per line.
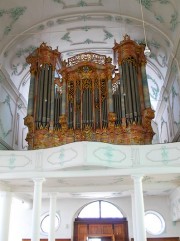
[14, 14]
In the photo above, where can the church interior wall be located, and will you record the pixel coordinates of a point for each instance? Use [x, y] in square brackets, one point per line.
[68, 210]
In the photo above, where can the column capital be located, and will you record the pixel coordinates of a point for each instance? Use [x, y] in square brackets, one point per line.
[137, 177]
[38, 180]
[6, 194]
[53, 194]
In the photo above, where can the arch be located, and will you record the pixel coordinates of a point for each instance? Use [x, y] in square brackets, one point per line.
[98, 209]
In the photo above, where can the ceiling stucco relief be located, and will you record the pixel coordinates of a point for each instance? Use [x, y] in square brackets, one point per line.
[154, 90]
[174, 102]
[6, 122]
[70, 37]
[79, 3]
[164, 131]
[13, 15]
[165, 12]
[18, 62]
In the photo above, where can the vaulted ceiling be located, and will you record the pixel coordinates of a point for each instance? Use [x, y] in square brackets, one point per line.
[89, 25]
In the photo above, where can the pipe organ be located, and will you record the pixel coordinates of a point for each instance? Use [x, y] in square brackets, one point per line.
[87, 98]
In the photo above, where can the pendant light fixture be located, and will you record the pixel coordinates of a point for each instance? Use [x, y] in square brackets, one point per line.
[147, 51]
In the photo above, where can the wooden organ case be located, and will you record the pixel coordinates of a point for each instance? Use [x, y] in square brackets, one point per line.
[87, 98]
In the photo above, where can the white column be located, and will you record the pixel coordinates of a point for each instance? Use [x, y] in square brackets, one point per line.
[133, 216]
[52, 216]
[6, 200]
[139, 208]
[37, 208]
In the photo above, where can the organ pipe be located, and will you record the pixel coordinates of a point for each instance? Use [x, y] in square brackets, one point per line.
[44, 107]
[52, 102]
[132, 81]
[110, 96]
[122, 93]
[64, 98]
[49, 93]
[38, 112]
[125, 92]
[30, 108]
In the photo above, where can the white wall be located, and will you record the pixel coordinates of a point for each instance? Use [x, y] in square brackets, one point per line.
[162, 205]
[12, 113]
[68, 210]
[168, 110]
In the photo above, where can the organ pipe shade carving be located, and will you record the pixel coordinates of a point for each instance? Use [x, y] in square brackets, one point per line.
[87, 98]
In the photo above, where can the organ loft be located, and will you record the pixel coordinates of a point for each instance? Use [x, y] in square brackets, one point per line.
[89, 98]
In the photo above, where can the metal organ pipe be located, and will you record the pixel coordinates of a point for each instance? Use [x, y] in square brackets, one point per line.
[125, 90]
[82, 112]
[75, 105]
[110, 101]
[78, 102]
[96, 100]
[49, 93]
[91, 108]
[81, 115]
[87, 105]
[132, 81]
[115, 103]
[104, 111]
[71, 115]
[120, 105]
[55, 106]
[93, 105]
[100, 104]
[70, 104]
[129, 99]
[64, 98]
[57, 109]
[137, 97]
[86, 108]
[38, 115]
[44, 103]
[41, 94]
[52, 101]
[30, 108]
[122, 92]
